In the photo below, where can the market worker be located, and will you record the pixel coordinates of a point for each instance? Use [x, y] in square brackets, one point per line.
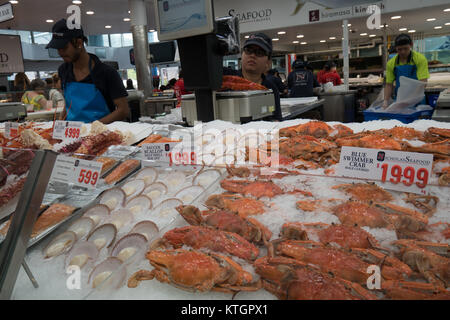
[300, 81]
[274, 76]
[407, 63]
[256, 60]
[330, 74]
[92, 89]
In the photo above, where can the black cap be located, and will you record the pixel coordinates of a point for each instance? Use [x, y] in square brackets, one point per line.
[261, 40]
[62, 35]
[299, 64]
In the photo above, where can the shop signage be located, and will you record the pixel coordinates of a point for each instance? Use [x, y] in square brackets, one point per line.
[11, 129]
[321, 15]
[66, 130]
[11, 58]
[252, 16]
[6, 12]
[394, 170]
[79, 172]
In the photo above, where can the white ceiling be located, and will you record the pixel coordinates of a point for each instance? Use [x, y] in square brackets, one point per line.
[32, 14]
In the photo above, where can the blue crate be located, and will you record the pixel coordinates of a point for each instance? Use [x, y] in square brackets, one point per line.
[432, 99]
[405, 118]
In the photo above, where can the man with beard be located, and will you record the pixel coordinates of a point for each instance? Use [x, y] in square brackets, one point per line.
[92, 89]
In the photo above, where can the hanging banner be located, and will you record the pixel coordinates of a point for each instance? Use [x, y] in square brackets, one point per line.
[11, 58]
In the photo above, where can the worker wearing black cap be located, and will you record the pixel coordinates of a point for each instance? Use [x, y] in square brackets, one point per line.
[300, 81]
[92, 89]
[407, 63]
[256, 60]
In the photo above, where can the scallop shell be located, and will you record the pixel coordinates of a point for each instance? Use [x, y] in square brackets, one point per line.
[97, 213]
[60, 244]
[168, 206]
[103, 235]
[139, 204]
[128, 246]
[188, 194]
[121, 218]
[108, 274]
[206, 177]
[113, 198]
[147, 228]
[148, 174]
[81, 253]
[175, 180]
[155, 191]
[82, 227]
[133, 188]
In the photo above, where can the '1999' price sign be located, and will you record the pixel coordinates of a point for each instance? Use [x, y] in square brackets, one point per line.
[182, 157]
[395, 170]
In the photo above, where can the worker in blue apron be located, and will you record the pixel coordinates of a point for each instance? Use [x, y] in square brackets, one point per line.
[92, 90]
[407, 63]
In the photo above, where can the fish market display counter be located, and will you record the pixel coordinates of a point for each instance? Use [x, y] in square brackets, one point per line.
[146, 225]
[292, 108]
[44, 115]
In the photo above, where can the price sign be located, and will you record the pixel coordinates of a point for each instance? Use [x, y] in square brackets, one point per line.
[65, 130]
[11, 129]
[395, 170]
[171, 153]
[80, 172]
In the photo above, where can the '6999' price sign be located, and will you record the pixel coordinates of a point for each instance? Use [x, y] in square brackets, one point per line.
[395, 170]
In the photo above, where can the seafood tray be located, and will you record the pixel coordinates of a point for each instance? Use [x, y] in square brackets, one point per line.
[127, 202]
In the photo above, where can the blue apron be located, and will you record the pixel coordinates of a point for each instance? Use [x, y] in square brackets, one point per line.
[406, 70]
[85, 101]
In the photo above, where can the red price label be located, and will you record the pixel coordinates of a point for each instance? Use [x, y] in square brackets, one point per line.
[408, 175]
[88, 177]
[183, 158]
[73, 133]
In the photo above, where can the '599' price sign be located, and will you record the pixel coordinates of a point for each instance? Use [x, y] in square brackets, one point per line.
[395, 170]
[87, 173]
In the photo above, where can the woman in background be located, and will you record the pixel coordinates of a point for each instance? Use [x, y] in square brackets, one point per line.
[21, 84]
[35, 96]
[55, 94]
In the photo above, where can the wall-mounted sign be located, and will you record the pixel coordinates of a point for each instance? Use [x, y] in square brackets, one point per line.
[6, 12]
[11, 58]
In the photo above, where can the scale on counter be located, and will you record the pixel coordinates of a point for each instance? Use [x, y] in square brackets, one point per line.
[233, 106]
[442, 110]
[12, 111]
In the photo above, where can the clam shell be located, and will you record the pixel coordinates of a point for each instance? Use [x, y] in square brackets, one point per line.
[108, 274]
[121, 218]
[113, 198]
[148, 174]
[60, 244]
[128, 246]
[175, 180]
[139, 204]
[188, 194]
[133, 188]
[97, 213]
[167, 207]
[82, 227]
[103, 235]
[147, 228]
[81, 253]
[206, 177]
[155, 191]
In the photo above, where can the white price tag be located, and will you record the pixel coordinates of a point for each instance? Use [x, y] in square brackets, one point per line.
[394, 170]
[65, 130]
[11, 129]
[80, 172]
[171, 153]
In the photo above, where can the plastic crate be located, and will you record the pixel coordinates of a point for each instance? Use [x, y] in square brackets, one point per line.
[432, 99]
[405, 118]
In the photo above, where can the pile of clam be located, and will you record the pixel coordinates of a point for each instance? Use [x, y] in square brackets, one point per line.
[119, 228]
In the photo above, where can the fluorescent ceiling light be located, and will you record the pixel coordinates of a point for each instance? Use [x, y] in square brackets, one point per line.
[438, 27]
[431, 19]
[363, 34]
[126, 19]
[90, 12]
[412, 31]
[332, 38]
[300, 36]
[396, 17]
[275, 39]
[445, 10]
[402, 29]
[14, 2]
[447, 24]
[295, 41]
[372, 35]
[77, 2]
[151, 30]
[49, 21]
[303, 42]
[108, 27]
[246, 37]
[323, 41]
[281, 32]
